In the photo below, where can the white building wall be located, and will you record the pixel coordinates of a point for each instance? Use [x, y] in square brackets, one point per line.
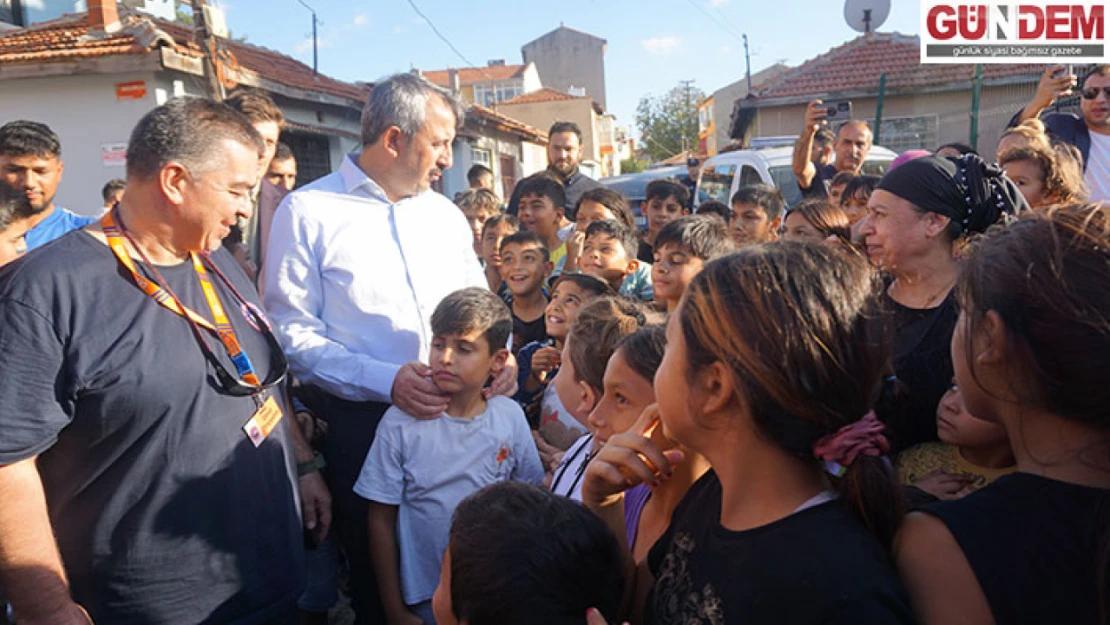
[531, 78]
[84, 112]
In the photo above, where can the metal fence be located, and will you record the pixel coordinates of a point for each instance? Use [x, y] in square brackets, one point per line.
[966, 117]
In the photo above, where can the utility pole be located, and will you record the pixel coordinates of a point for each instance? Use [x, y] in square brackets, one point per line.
[207, 42]
[686, 86]
[315, 47]
[748, 62]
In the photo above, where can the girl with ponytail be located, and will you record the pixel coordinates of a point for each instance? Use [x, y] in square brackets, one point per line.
[774, 359]
[1031, 351]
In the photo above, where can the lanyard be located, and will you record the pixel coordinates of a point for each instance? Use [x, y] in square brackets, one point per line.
[164, 296]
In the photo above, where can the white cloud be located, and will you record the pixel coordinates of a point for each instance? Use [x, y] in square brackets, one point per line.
[725, 49]
[718, 3]
[306, 45]
[397, 30]
[362, 19]
[661, 45]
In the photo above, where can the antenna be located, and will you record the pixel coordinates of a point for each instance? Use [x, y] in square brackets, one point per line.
[866, 16]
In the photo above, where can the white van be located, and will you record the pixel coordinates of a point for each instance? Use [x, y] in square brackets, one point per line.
[722, 175]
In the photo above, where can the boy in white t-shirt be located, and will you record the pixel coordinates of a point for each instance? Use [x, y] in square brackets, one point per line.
[418, 471]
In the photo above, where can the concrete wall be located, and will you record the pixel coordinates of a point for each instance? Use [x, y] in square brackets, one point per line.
[85, 113]
[542, 114]
[568, 59]
[499, 144]
[951, 111]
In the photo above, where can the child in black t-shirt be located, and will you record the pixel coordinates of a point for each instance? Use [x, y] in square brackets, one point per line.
[773, 386]
[525, 265]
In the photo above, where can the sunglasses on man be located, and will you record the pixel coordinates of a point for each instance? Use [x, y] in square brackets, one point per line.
[1092, 93]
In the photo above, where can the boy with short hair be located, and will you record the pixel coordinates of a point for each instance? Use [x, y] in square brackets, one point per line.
[524, 268]
[597, 204]
[541, 210]
[609, 253]
[417, 471]
[665, 201]
[494, 231]
[478, 205]
[756, 214]
[681, 251]
[520, 554]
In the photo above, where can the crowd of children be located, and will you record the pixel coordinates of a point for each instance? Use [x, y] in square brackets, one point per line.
[715, 389]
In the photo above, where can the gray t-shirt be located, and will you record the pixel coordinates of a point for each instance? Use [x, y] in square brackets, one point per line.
[426, 467]
[163, 509]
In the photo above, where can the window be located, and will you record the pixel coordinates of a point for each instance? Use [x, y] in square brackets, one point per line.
[716, 182]
[909, 133]
[313, 154]
[11, 13]
[487, 94]
[749, 176]
[783, 178]
[481, 156]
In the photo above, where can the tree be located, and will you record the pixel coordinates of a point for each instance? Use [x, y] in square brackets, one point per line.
[633, 165]
[668, 124]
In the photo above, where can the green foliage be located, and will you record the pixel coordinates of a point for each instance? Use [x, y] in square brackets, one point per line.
[184, 14]
[633, 166]
[668, 124]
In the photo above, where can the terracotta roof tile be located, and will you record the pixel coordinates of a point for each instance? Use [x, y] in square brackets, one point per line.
[472, 75]
[508, 123]
[856, 66]
[66, 39]
[545, 94]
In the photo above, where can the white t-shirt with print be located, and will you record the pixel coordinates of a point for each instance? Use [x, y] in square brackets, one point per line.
[426, 467]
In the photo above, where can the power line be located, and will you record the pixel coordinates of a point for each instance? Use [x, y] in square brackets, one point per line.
[710, 17]
[435, 30]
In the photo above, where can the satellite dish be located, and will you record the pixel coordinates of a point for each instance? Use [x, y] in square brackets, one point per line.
[866, 16]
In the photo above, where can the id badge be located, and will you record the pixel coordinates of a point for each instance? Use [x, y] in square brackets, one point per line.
[264, 420]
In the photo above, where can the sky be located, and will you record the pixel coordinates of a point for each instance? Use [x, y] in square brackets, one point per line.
[652, 44]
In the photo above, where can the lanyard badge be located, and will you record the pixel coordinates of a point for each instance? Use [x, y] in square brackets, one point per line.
[248, 384]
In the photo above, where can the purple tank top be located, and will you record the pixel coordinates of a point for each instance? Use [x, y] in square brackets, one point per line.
[634, 500]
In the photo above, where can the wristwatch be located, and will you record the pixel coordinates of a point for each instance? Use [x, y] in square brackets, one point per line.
[312, 466]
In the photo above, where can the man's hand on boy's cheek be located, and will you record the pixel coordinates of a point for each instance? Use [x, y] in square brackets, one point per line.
[504, 381]
[415, 393]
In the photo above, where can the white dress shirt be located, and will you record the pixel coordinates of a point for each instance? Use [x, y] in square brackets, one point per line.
[352, 279]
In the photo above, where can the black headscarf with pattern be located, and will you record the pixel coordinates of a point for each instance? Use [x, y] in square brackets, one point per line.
[968, 190]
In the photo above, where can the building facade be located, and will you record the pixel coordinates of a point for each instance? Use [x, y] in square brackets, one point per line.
[487, 86]
[49, 68]
[570, 61]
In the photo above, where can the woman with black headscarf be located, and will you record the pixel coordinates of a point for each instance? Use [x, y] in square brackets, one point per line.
[917, 216]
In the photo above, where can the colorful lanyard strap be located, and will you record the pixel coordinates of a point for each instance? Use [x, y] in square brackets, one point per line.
[164, 296]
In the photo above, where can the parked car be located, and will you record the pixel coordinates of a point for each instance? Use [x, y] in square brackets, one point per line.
[634, 187]
[722, 175]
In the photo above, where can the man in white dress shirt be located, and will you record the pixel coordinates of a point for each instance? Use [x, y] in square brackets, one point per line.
[357, 262]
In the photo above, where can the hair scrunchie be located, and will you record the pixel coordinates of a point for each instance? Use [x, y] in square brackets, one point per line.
[860, 438]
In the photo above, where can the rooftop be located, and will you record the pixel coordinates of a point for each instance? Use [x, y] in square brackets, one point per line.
[67, 39]
[473, 75]
[855, 66]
